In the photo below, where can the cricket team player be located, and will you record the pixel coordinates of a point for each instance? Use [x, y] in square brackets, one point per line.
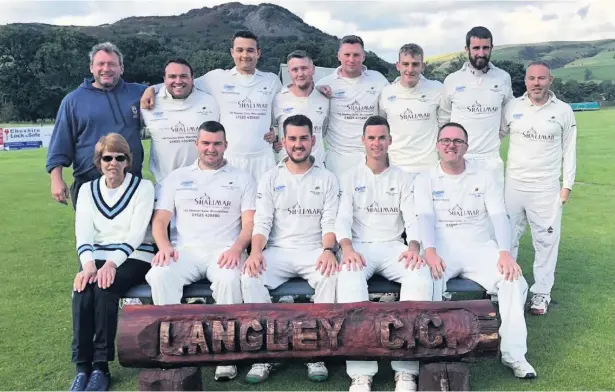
[457, 201]
[411, 106]
[542, 147]
[296, 204]
[376, 205]
[474, 97]
[213, 206]
[300, 97]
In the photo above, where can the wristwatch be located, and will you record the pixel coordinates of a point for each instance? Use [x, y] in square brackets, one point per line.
[329, 249]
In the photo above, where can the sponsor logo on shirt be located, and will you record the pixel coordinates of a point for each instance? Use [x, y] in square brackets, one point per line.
[553, 120]
[182, 128]
[204, 111]
[279, 188]
[375, 208]
[229, 89]
[158, 114]
[392, 191]
[460, 89]
[534, 136]
[308, 212]
[458, 211]
[517, 116]
[287, 110]
[339, 93]
[316, 191]
[357, 107]
[391, 98]
[477, 192]
[437, 194]
[230, 186]
[372, 90]
[187, 186]
[248, 104]
[360, 188]
[477, 108]
[409, 115]
[265, 90]
[205, 200]
[320, 111]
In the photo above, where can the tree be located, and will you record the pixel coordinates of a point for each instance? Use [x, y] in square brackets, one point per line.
[517, 75]
[455, 64]
[588, 74]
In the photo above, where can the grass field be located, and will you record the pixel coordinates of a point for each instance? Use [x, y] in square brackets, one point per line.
[572, 348]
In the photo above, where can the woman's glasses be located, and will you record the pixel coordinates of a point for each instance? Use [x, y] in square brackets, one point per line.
[109, 158]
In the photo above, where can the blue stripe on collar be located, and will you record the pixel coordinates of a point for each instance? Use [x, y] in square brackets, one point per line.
[108, 211]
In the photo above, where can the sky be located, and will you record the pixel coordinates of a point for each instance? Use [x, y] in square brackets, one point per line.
[438, 26]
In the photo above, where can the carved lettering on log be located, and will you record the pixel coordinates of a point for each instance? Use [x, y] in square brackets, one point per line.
[423, 322]
[278, 336]
[332, 331]
[251, 341]
[384, 326]
[220, 335]
[303, 340]
[165, 340]
[197, 341]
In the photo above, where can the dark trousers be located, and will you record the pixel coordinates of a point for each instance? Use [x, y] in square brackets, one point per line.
[77, 182]
[95, 313]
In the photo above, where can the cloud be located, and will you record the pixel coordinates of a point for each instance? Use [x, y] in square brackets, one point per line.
[549, 17]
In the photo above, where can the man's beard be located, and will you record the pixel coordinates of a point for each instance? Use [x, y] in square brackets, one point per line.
[297, 161]
[107, 85]
[474, 62]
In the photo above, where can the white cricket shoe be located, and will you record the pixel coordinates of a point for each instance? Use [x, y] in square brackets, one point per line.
[317, 371]
[361, 384]
[405, 382]
[522, 368]
[258, 373]
[540, 304]
[225, 373]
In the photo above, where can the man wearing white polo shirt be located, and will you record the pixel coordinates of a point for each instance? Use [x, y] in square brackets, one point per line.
[375, 207]
[474, 97]
[296, 205]
[174, 120]
[543, 134]
[213, 204]
[300, 97]
[456, 202]
[245, 98]
[353, 91]
[411, 106]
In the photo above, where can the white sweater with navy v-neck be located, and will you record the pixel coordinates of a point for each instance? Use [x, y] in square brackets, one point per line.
[111, 224]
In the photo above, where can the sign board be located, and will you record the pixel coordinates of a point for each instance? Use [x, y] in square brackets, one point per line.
[22, 138]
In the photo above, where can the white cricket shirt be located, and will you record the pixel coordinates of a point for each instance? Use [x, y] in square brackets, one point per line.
[315, 107]
[352, 102]
[376, 207]
[542, 143]
[173, 125]
[246, 106]
[474, 99]
[412, 114]
[207, 204]
[294, 211]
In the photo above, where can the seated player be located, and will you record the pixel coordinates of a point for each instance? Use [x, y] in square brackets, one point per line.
[457, 203]
[112, 216]
[296, 206]
[375, 207]
[213, 206]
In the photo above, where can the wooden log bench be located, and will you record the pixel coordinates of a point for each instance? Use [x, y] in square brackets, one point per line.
[172, 341]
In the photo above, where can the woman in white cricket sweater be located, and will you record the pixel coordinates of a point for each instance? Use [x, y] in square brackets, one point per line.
[112, 217]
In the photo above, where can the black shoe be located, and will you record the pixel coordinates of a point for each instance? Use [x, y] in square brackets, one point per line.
[99, 381]
[80, 382]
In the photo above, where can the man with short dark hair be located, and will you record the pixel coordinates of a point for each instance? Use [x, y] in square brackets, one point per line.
[543, 133]
[101, 105]
[353, 92]
[296, 205]
[457, 203]
[376, 205]
[474, 96]
[213, 206]
[245, 98]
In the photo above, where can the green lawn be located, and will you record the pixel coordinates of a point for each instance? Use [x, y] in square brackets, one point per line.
[572, 348]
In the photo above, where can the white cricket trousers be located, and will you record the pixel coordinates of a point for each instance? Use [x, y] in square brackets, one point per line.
[543, 210]
[194, 264]
[478, 262]
[339, 163]
[382, 258]
[282, 264]
[255, 164]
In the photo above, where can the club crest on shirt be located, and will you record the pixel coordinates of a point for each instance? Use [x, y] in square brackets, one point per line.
[316, 191]
[496, 88]
[265, 90]
[477, 192]
[230, 186]
[135, 111]
[392, 191]
[372, 90]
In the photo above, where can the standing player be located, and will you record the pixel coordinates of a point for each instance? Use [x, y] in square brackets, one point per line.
[474, 97]
[376, 206]
[245, 98]
[213, 204]
[353, 91]
[411, 106]
[300, 97]
[456, 202]
[173, 122]
[296, 205]
[543, 134]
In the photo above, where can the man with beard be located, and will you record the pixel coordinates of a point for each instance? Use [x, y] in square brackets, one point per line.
[474, 97]
[213, 206]
[174, 120]
[457, 202]
[300, 97]
[353, 91]
[100, 106]
[411, 105]
[543, 134]
[245, 98]
[376, 205]
[296, 205]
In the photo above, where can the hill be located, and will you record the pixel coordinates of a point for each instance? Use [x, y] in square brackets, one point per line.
[570, 60]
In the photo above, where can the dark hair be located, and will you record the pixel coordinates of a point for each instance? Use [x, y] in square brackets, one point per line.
[244, 34]
[412, 50]
[453, 124]
[478, 32]
[212, 127]
[178, 60]
[298, 120]
[352, 39]
[376, 120]
[298, 54]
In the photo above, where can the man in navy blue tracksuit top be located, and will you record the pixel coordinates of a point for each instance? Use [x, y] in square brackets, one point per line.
[97, 107]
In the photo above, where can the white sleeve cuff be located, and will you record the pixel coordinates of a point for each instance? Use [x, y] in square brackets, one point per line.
[86, 257]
